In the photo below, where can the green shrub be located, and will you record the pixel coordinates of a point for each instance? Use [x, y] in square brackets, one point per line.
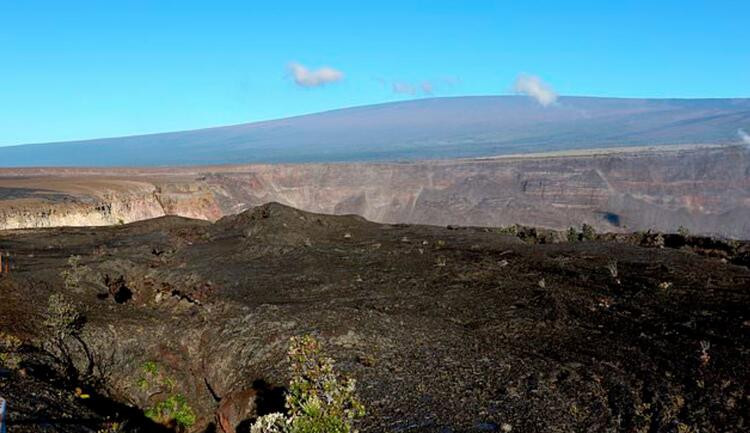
[683, 231]
[319, 400]
[174, 408]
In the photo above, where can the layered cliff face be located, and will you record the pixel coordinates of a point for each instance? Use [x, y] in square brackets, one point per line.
[706, 190]
[97, 202]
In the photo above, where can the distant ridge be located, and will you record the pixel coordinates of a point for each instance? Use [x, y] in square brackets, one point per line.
[457, 127]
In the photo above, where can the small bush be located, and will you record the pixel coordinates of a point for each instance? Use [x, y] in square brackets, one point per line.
[665, 285]
[319, 400]
[684, 428]
[64, 324]
[572, 234]
[587, 232]
[509, 230]
[612, 268]
[9, 347]
[62, 317]
[112, 427]
[683, 231]
[271, 423]
[75, 272]
[174, 408]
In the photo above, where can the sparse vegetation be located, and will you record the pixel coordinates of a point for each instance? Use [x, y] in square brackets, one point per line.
[74, 274]
[665, 286]
[174, 409]
[587, 232]
[64, 323]
[612, 268]
[111, 427]
[9, 347]
[62, 318]
[319, 400]
[572, 234]
[683, 231]
[509, 230]
[684, 428]
[705, 357]
[271, 423]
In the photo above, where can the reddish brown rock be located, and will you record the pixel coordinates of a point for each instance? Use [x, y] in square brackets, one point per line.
[234, 408]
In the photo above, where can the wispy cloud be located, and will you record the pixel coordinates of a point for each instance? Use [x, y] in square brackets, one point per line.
[450, 80]
[744, 136]
[306, 77]
[404, 88]
[426, 87]
[534, 87]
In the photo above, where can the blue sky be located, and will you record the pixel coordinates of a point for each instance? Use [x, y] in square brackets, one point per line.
[88, 69]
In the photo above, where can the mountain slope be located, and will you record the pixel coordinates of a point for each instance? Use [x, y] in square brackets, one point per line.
[419, 129]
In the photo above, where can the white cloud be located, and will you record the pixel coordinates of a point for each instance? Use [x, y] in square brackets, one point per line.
[314, 78]
[534, 87]
[426, 87]
[744, 136]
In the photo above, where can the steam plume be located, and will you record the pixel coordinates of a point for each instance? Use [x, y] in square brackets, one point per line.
[744, 136]
[534, 87]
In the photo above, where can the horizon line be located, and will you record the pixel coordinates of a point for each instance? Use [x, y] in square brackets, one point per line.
[352, 107]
